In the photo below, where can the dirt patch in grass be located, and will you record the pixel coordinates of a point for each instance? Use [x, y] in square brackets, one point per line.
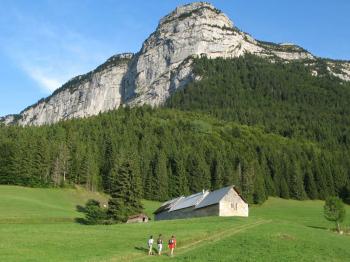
[286, 237]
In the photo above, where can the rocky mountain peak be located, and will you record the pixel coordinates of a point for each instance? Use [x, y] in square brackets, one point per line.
[164, 62]
[163, 65]
[201, 9]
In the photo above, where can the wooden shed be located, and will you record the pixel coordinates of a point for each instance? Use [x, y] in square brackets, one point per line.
[139, 218]
[222, 202]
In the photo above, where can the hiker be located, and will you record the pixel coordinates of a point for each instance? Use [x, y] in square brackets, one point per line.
[172, 245]
[160, 244]
[150, 245]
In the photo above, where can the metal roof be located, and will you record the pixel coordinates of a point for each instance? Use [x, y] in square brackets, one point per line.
[214, 197]
[167, 205]
[189, 201]
[169, 202]
[198, 200]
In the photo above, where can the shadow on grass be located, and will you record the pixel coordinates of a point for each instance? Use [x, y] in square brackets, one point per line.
[145, 250]
[81, 221]
[317, 227]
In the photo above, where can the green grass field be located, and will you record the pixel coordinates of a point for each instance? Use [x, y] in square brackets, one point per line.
[38, 225]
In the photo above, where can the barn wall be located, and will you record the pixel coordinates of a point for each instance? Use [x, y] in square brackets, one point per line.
[182, 213]
[233, 205]
[212, 210]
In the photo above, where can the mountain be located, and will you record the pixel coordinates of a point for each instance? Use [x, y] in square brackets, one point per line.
[163, 65]
[271, 119]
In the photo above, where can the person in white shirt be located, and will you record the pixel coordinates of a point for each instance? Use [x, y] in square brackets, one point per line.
[150, 245]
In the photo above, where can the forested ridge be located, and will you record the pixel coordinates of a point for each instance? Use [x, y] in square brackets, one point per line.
[282, 98]
[270, 129]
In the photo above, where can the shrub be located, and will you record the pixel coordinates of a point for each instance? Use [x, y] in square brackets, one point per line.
[334, 210]
[94, 214]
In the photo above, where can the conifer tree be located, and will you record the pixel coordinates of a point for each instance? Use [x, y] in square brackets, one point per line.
[198, 172]
[6, 151]
[259, 195]
[217, 173]
[178, 181]
[126, 191]
[41, 168]
[16, 165]
[248, 177]
[309, 182]
[90, 171]
[108, 161]
[160, 176]
[284, 189]
[297, 187]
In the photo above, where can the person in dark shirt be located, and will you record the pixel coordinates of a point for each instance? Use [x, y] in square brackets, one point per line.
[160, 244]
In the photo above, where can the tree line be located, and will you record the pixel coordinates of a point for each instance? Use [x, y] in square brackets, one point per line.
[159, 154]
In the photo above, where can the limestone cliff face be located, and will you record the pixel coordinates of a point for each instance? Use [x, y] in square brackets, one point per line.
[163, 65]
[83, 96]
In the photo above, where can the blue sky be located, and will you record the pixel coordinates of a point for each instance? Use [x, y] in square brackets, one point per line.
[44, 43]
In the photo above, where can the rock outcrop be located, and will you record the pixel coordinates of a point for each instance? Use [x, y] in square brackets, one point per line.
[163, 65]
[83, 96]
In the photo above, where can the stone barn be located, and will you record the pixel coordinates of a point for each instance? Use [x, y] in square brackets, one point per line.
[139, 218]
[222, 202]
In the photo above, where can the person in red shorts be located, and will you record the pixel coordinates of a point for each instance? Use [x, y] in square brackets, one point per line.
[172, 245]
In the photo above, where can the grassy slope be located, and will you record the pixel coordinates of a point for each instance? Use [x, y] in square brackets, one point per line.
[36, 225]
[32, 205]
[297, 231]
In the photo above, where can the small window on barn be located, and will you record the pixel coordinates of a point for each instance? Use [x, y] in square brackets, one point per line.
[234, 206]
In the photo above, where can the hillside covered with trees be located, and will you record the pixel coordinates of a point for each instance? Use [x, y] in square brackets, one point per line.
[281, 98]
[271, 129]
[172, 153]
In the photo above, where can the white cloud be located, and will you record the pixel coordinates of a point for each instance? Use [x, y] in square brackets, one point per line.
[46, 82]
[49, 54]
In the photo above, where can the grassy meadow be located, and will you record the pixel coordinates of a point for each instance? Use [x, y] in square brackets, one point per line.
[38, 225]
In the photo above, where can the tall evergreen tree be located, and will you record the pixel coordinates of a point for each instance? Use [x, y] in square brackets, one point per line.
[310, 185]
[160, 176]
[217, 172]
[126, 191]
[248, 177]
[108, 161]
[198, 173]
[297, 187]
[178, 180]
[259, 195]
